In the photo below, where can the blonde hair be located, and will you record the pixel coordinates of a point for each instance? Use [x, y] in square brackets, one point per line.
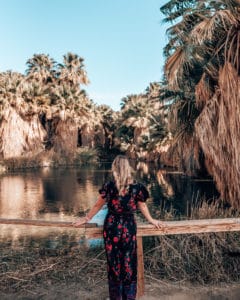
[122, 172]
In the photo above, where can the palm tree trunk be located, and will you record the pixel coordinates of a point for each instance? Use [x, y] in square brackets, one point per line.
[20, 136]
[65, 139]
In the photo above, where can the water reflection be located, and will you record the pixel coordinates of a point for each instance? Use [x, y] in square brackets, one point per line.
[61, 194]
[20, 197]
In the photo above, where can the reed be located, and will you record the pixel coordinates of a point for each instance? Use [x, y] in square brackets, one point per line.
[209, 258]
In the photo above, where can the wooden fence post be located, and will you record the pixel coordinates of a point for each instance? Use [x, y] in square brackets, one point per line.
[140, 268]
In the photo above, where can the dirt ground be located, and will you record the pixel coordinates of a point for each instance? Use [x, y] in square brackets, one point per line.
[168, 291]
[153, 291]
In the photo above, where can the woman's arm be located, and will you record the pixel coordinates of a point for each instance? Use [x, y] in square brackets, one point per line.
[97, 206]
[144, 210]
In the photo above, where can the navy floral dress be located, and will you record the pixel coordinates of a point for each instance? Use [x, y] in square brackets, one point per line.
[119, 235]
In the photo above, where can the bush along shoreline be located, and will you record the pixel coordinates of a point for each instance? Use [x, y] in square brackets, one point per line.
[50, 159]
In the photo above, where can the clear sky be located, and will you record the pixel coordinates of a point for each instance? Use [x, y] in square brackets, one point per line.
[121, 41]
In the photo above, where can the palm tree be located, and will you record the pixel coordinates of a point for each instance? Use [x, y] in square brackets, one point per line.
[20, 133]
[10, 83]
[48, 106]
[72, 70]
[107, 118]
[203, 63]
[41, 68]
[143, 121]
[200, 42]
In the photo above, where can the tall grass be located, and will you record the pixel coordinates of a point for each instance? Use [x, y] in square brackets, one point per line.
[32, 273]
[199, 258]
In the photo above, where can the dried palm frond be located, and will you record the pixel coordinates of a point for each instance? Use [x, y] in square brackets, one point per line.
[228, 82]
[220, 135]
[203, 91]
[232, 47]
[174, 67]
[208, 28]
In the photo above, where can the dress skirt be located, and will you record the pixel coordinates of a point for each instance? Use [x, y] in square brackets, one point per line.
[120, 242]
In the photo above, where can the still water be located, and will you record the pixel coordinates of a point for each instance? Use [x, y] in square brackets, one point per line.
[64, 193]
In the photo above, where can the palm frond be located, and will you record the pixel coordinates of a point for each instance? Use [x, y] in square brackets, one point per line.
[174, 67]
[207, 29]
[203, 91]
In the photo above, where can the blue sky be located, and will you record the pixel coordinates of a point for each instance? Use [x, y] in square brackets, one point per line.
[121, 41]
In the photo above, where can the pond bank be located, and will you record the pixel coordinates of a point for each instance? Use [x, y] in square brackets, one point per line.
[168, 291]
[49, 159]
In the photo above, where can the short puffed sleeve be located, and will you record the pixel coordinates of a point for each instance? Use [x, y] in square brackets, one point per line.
[142, 193]
[108, 190]
[104, 190]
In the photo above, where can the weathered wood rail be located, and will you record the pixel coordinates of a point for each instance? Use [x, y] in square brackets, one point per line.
[91, 230]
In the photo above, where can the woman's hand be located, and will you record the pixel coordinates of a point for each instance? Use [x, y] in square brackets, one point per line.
[97, 206]
[158, 224]
[144, 209]
[79, 222]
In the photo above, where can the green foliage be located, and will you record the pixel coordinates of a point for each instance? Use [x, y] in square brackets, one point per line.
[143, 119]
[125, 133]
[86, 155]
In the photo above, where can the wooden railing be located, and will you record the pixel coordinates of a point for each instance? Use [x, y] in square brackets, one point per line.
[91, 230]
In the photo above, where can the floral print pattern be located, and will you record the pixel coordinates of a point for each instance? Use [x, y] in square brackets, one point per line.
[120, 242]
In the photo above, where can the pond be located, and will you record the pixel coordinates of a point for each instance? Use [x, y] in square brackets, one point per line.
[64, 193]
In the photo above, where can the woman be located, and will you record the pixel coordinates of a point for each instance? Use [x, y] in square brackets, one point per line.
[123, 197]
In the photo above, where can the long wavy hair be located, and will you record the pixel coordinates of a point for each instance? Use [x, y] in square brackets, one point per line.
[122, 172]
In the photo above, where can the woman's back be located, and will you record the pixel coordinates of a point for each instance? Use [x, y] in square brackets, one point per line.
[126, 202]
